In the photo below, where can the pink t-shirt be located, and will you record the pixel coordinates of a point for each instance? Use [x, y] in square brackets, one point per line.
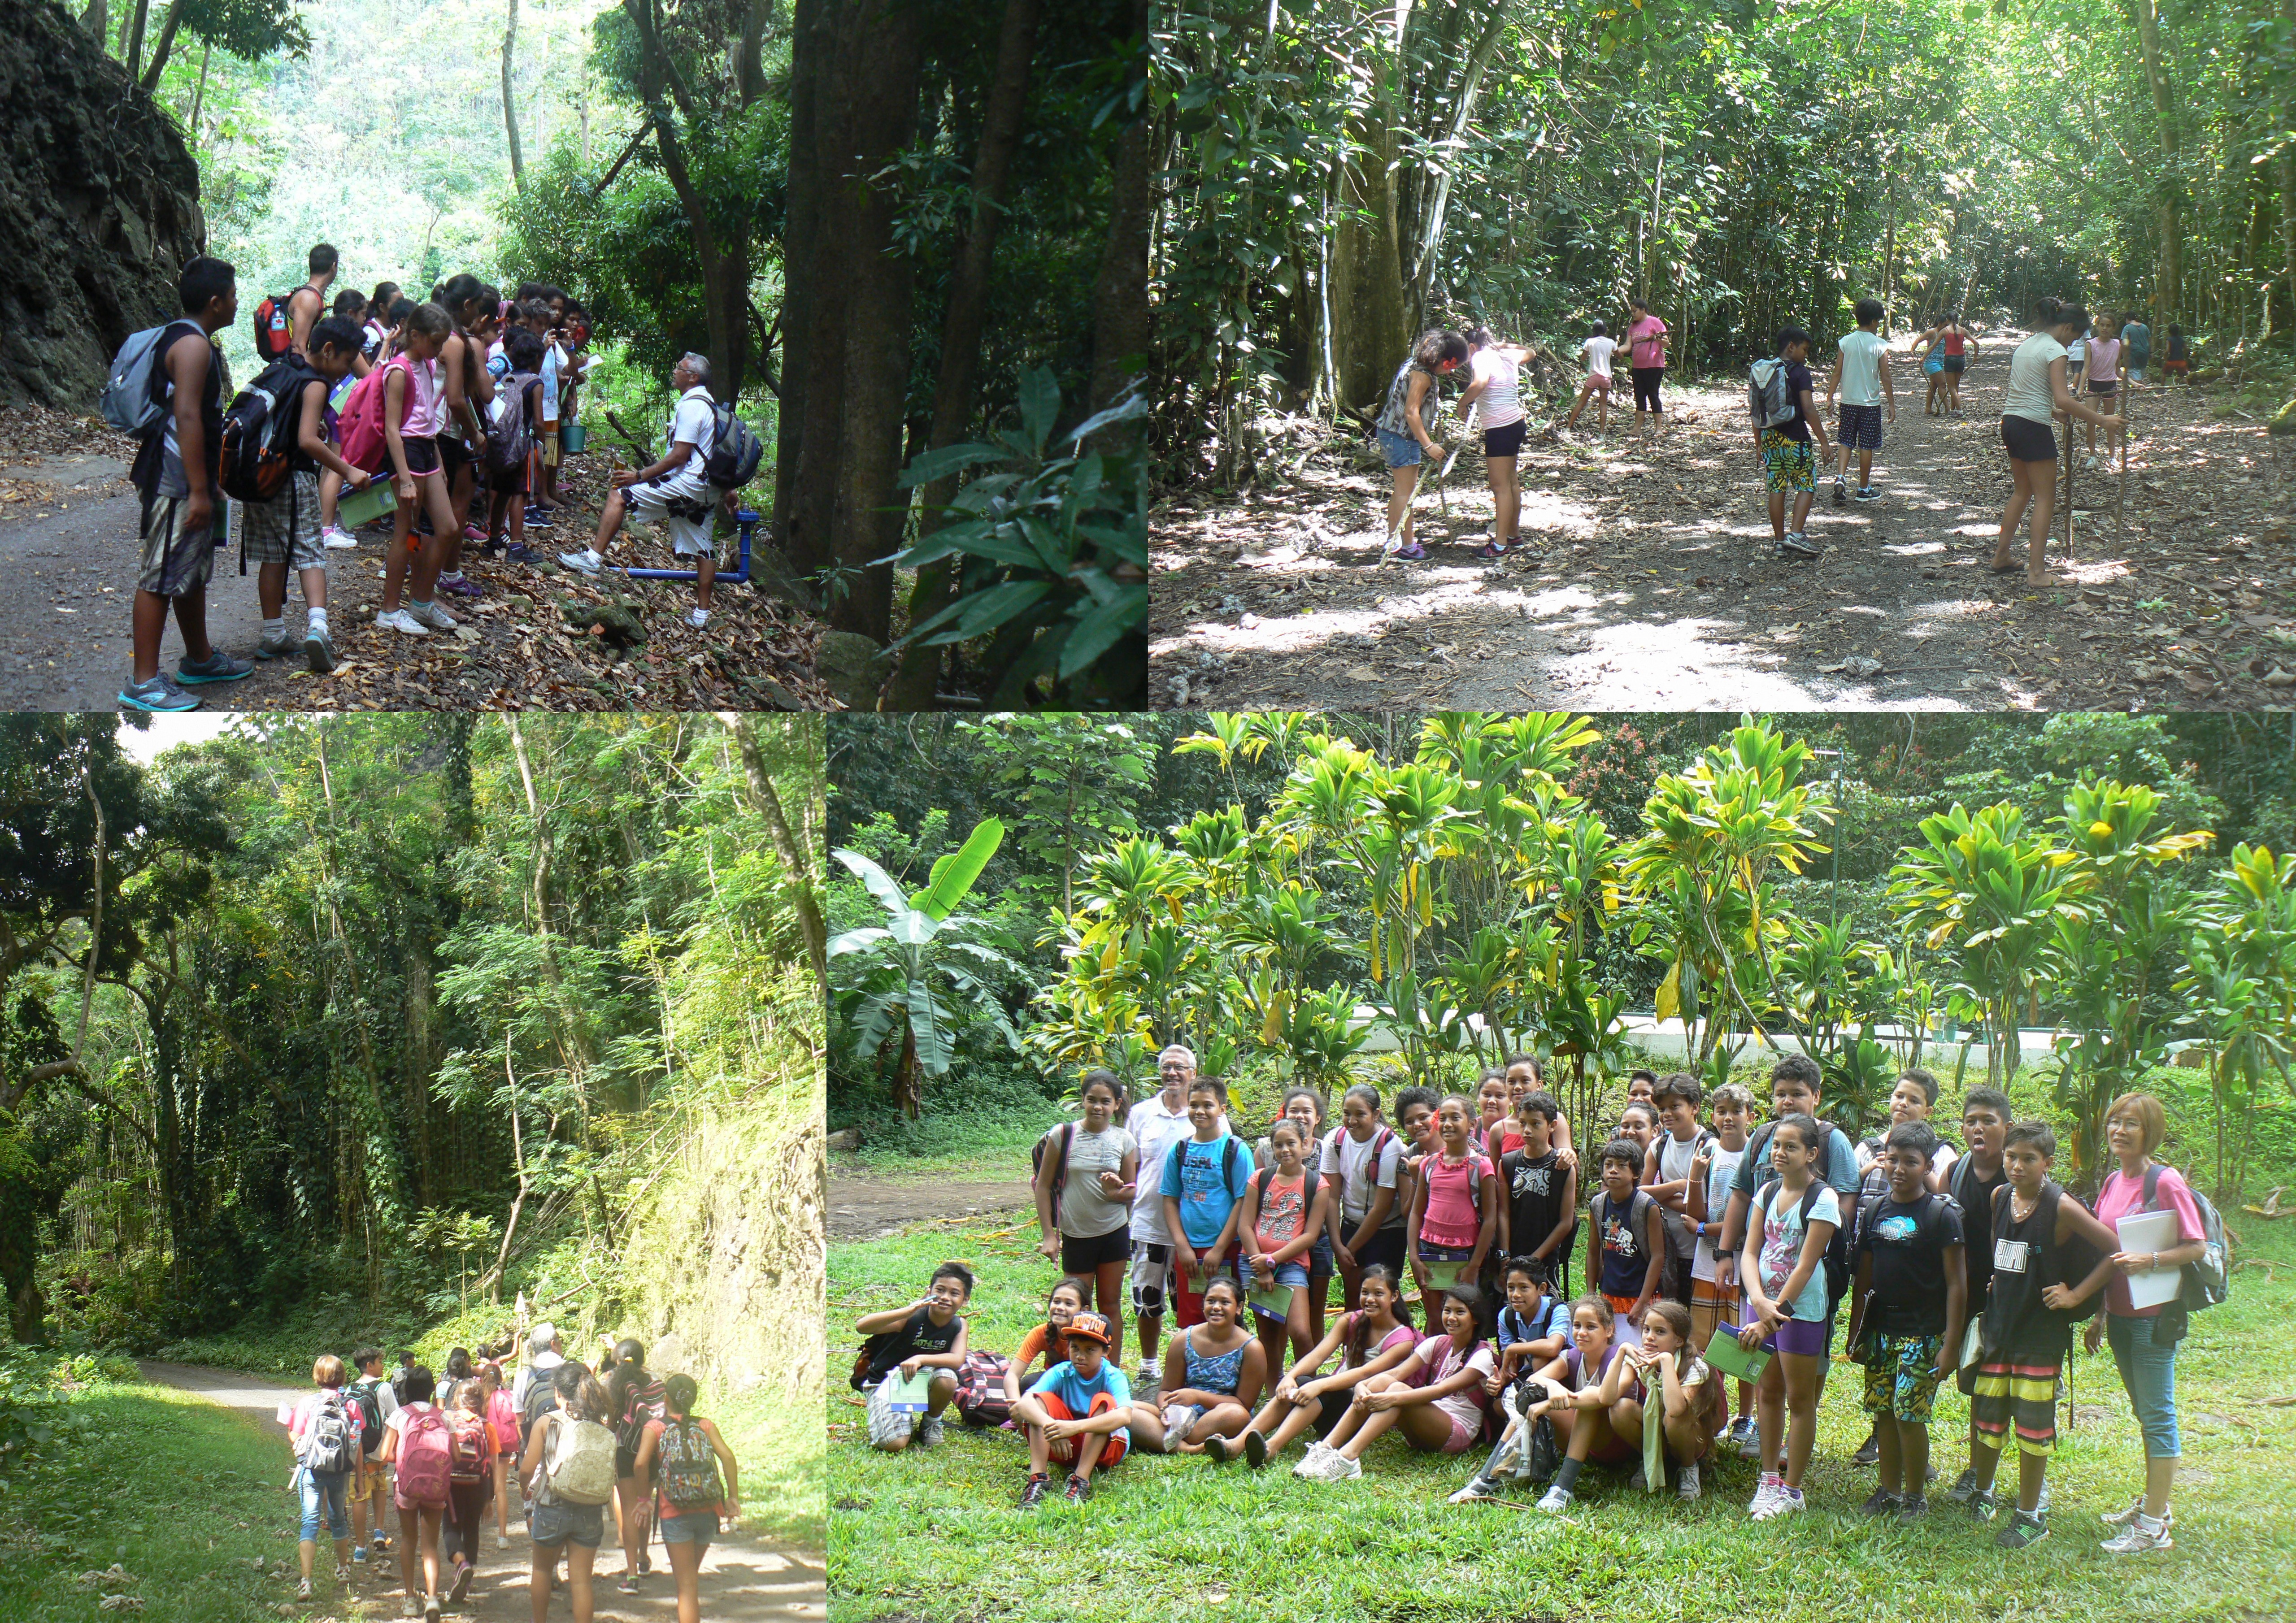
[1643, 343]
[1281, 1211]
[2104, 359]
[2124, 1197]
[1455, 1199]
[1438, 1358]
[1403, 1334]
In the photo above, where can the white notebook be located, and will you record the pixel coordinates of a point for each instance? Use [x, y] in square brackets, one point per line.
[2151, 1231]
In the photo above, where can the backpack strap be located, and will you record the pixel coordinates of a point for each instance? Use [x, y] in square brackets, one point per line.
[2152, 1186]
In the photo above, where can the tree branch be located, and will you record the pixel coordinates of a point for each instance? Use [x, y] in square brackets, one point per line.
[645, 128]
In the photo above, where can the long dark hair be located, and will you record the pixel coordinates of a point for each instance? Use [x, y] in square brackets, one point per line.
[1358, 1333]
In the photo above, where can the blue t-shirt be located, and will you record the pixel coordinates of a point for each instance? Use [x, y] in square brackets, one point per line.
[1537, 1327]
[1208, 1177]
[1063, 1381]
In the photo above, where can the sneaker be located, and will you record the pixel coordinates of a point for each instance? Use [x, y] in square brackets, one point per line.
[1912, 1508]
[431, 615]
[1148, 1375]
[1255, 1449]
[580, 562]
[1339, 1468]
[1554, 1500]
[1799, 544]
[429, 1609]
[521, 553]
[2022, 1531]
[1841, 491]
[338, 538]
[342, 1572]
[319, 650]
[1983, 1507]
[275, 648]
[628, 1585]
[460, 585]
[697, 618]
[929, 1432]
[1033, 1495]
[158, 693]
[1868, 1451]
[1965, 1484]
[1312, 1467]
[538, 517]
[474, 532]
[1767, 1489]
[1478, 1488]
[463, 1572]
[410, 1608]
[401, 621]
[1881, 1502]
[358, 1554]
[2142, 1533]
[217, 667]
[1179, 1420]
[1866, 493]
[1748, 1433]
[1079, 1489]
[302, 1588]
[1789, 1502]
[2122, 1518]
[1412, 554]
[1490, 549]
[1688, 1487]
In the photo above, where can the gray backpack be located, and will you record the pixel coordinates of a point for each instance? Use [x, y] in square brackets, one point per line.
[1767, 397]
[131, 399]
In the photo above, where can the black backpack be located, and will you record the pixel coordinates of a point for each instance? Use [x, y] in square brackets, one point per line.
[1309, 1182]
[734, 452]
[541, 1399]
[260, 429]
[1838, 1269]
[2068, 1264]
[1059, 1162]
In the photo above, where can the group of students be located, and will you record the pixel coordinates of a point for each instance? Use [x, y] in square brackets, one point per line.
[464, 403]
[1705, 1235]
[439, 1448]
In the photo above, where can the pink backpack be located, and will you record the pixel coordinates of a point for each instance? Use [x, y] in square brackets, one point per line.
[426, 1458]
[358, 426]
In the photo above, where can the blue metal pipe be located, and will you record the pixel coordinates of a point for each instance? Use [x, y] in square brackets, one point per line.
[747, 522]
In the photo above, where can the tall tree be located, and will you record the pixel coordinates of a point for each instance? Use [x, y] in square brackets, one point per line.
[510, 103]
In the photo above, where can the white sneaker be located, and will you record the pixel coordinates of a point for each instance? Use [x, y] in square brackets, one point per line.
[2122, 1518]
[697, 618]
[431, 615]
[1339, 1468]
[302, 1588]
[1788, 1502]
[1314, 1464]
[400, 620]
[2142, 1533]
[336, 536]
[1688, 1487]
[1179, 1420]
[411, 1608]
[1477, 1487]
[1554, 1500]
[581, 562]
[1149, 1376]
[1770, 1488]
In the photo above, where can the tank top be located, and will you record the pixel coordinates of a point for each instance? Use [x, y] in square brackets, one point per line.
[2104, 359]
[1454, 1217]
[2019, 1326]
[1393, 416]
[1502, 401]
[1213, 1374]
[422, 420]
[1953, 342]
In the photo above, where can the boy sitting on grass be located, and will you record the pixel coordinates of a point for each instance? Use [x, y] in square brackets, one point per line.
[927, 1334]
[1078, 1414]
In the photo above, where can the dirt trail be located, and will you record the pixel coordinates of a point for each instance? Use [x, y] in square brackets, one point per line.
[742, 1579]
[863, 1206]
[1650, 581]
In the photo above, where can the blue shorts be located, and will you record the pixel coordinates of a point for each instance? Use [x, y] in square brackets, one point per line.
[1861, 427]
[551, 1526]
[1400, 450]
[694, 1528]
[1292, 1273]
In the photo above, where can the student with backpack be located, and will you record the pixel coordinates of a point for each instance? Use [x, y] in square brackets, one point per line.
[410, 407]
[168, 389]
[1712, 1302]
[1795, 1082]
[475, 310]
[1861, 378]
[1305, 1108]
[1455, 1203]
[283, 417]
[2145, 1339]
[1086, 1175]
[419, 1446]
[376, 1403]
[677, 491]
[682, 1454]
[1538, 1183]
[1286, 1206]
[634, 1398]
[1363, 1158]
[1203, 1182]
[324, 1429]
[1976, 1176]
[1785, 416]
[1792, 1222]
[1048, 1340]
[503, 1418]
[470, 1483]
[927, 1334]
[1910, 1102]
[512, 425]
[1666, 1176]
[284, 322]
[1626, 1240]
[568, 1466]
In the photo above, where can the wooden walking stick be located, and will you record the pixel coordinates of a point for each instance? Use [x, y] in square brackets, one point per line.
[2121, 490]
[2069, 489]
[1466, 431]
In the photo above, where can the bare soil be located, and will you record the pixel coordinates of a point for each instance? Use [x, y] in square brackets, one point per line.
[863, 1205]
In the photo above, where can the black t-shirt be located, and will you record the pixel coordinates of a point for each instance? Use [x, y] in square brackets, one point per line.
[918, 1338]
[1975, 1196]
[1534, 1194]
[1908, 1243]
[1796, 385]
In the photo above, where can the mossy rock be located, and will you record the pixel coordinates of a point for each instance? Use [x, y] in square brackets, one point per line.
[616, 623]
[2284, 421]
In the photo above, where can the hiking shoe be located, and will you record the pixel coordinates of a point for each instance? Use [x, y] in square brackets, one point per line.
[302, 1588]
[1412, 554]
[337, 537]
[1868, 1451]
[2142, 1533]
[1840, 492]
[275, 648]
[1216, 1449]
[1748, 1430]
[2022, 1531]
[400, 621]
[538, 517]
[1912, 1508]
[431, 615]
[1799, 544]
[1255, 1449]
[1965, 1484]
[217, 667]
[1490, 549]
[158, 693]
[1079, 1489]
[581, 562]
[520, 553]
[319, 650]
[1554, 1500]
[1866, 493]
[1983, 1507]
[930, 1432]
[1033, 1495]
[1687, 1486]
[1881, 1502]
[1478, 1487]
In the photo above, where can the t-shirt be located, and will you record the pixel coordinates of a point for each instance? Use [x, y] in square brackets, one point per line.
[1535, 1194]
[1454, 1217]
[1626, 1231]
[2138, 337]
[1643, 340]
[1282, 1208]
[1796, 427]
[2028, 394]
[373, 337]
[1155, 1128]
[919, 1337]
[1674, 1158]
[1908, 1243]
[2176, 346]
[692, 422]
[1598, 352]
[1039, 1344]
[1861, 368]
[1538, 1326]
[1350, 1162]
[1781, 1242]
[386, 1401]
[2104, 359]
[1721, 1172]
[1841, 1174]
[1085, 1213]
[1063, 1381]
[1440, 1357]
[1501, 404]
[1208, 1177]
[2123, 1197]
[1869, 1156]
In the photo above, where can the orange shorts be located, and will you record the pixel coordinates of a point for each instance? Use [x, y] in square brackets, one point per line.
[1064, 1450]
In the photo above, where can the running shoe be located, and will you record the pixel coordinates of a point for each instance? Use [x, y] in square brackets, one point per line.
[1312, 1466]
[2143, 1534]
[1687, 1486]
[584, 562]
[1881, 1502]
[474, 532]
[1868, 1451]
[699, 619]
[460, 586]
[157, 693]
[1866, 493]
[302, 1588]
[1912, 1508]
[276, 648]
[520, 553]
[1412, 554]
[1490, 549]
[2122, 1518]
[1479, 1487]
[1799, 543]
[402, 622]
[1339, 1468]
[538, 517]
[1983, 1507]
[1554, 1500]
[1840, 490]
[338, 538]
[930, 1432]
[463, 1572]
[1965, 1484]
[2023, 1530]
[1033, 1495]
[431, 615]
[1079, 1489]
[319, 651]
[217, 667]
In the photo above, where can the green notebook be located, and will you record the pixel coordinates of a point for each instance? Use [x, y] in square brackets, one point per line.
[1725, 1355]
[1443, 1275]
[1275, 1301]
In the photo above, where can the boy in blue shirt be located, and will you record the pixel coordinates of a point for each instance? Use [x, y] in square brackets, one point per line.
[1077, 1415]
[1203, 1184]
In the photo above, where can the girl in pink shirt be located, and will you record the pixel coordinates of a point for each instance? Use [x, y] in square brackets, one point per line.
[412, 416]
[1455, 1206]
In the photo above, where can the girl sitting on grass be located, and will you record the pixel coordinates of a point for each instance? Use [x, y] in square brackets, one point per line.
[1565, 1393]
[1371, 1342]
[1666, 1372]
[1455, 1203]
[1048, 1340]
[1790, 1224]
[1212, 1375]
[1434, 1397]
[1285, 1208]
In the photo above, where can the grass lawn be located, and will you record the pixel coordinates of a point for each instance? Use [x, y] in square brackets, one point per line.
[929, 1538]
[181, 1496]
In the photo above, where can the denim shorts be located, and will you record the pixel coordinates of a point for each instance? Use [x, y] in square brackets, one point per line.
[1400, 450]
[694, 1528]
[324, 1494]
[2148, 1369]
[551, 1526]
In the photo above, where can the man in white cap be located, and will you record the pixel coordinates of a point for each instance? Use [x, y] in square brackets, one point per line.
[543, 1354]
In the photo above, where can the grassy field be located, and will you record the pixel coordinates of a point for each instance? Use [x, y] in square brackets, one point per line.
[935, 1538]
[176, 1499]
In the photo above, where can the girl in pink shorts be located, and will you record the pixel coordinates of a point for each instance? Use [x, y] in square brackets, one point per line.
[1435, 1396]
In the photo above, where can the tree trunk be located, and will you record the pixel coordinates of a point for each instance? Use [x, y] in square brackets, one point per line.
[954, 396]
[749, 63]
[1370, 331]
[132, 53]
[165, 46]
[1470, 87]
[97, 20]
[510, 103]
[766, 802]
[200, 91]
[812, 45]
[2169, 296]
[1120, 301]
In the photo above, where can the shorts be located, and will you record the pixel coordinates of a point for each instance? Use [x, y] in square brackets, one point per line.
[1151, 1273]
[1804, 1337]
[1711, 1303]
[2177, 367]
[2022, 1395]
[694, 1528]
[1861, 427]
[324, 1495]
[1902, 1376]
[1599, 381]
[1085, 1257]
[1788, 464]
[174, 564]
[1462, 1438]
[506, 481]
[1385, 1247]
[1647, 382]
[553, 448]
[1063, 1449]
[2136, 371]
[887, 1424]
[678, 509]
[550, 1526]
[1400, 450]
[1506, 439]
[1956, 363]
[284, 529]
[2028, 441]
[2108, 388]
[422, 455]
[454, 455]
[1187, 1304]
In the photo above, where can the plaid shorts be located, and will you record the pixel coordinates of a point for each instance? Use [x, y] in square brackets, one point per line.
[175, 561]
[286, 528]
[1787, 464]
[1902, 1376]
[887, 1424]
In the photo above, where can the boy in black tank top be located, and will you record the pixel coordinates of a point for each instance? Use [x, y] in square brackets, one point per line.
[1984, 1118]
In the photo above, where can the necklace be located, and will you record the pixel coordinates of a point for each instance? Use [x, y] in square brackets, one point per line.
[2017, 1201]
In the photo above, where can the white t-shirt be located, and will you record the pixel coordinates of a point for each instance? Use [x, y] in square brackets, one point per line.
[1861, 371]
[1346, 1160]
[2027, 395]
[1502, 404]
[1721, 1172]
[1085, 1213]
[1674, 1159]
[692, 422]
[1598, 352]
[395, 1421]
[1155, 1129]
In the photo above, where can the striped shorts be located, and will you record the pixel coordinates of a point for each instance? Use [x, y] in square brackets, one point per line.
[2022, 1395]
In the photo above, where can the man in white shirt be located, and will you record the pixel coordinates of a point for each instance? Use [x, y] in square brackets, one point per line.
[671, 492]
[1861, 377]
[1156, 1124]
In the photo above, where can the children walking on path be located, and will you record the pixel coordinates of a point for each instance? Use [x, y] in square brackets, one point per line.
[1784, 417]
[1646, 345]
[2037, 394]
[1861, 378]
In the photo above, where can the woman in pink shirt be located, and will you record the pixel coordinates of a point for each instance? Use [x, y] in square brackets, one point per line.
[2145, 1339]
[1646, 342]
[1455, 1210]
